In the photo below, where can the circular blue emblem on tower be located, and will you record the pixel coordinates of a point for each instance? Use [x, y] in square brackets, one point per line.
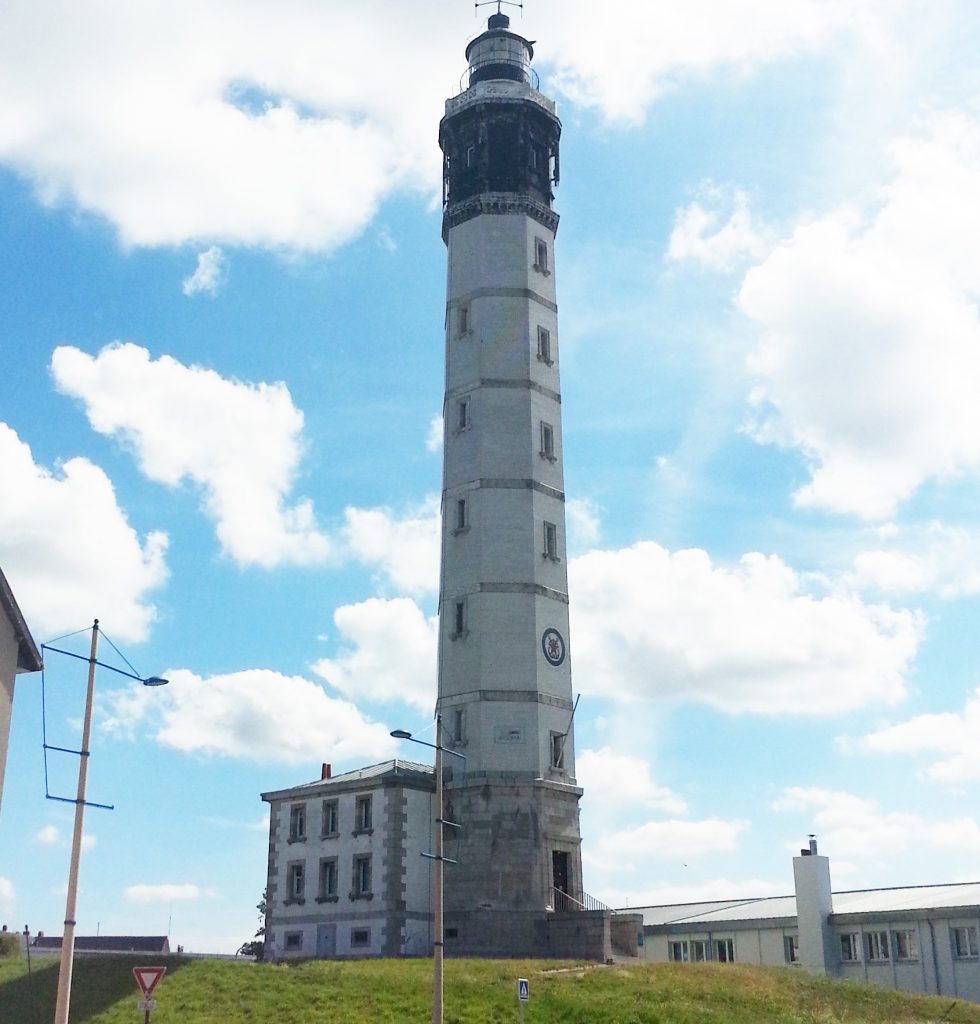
[553, 646]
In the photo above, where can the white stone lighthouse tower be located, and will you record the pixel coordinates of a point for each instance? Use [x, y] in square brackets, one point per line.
[505, 688]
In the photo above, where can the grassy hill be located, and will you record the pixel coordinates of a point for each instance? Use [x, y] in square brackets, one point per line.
[477, 992]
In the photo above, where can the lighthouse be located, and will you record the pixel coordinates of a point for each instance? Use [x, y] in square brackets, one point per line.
[505, 683]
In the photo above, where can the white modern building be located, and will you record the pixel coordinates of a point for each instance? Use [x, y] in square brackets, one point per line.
[915, 938]
[346, 875]
[18, 654]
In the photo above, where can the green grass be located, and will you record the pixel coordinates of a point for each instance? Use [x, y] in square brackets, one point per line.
[477, 992]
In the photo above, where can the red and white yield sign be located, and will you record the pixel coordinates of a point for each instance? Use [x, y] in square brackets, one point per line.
[148, 978]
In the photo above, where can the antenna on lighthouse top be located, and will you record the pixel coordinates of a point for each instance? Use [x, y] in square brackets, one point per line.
[495, 21]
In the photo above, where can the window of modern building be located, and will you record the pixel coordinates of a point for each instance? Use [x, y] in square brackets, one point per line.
[541, 264]
[906, 946]
[544, 345]
[699, 950]
[297, 822]
[463, 414]
[295, 881]
[791, 949]
[547, 440]
[362, 815]
[725, 951]
[850, 947]
[550, 541]
[328, 879]
[964, 942]
[460, 518]
[362, 876]
[360, 937]
[330, 822]
[558, 750]
[294, 940]
[679, 951]
[876, 945]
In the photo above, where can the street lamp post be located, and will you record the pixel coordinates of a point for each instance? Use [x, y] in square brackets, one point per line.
[439, 860]
[68, 939]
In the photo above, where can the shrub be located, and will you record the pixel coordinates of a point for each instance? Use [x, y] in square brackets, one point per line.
[9, 945]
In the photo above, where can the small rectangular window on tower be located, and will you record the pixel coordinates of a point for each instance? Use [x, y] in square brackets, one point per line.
[460, 519]
[459, 620]
[558, 750]
[541, 256]
[471, 156]
[463, 414]
[544, 346]
[550, 541]
[459, 724]
[463, 320]
[547, 441]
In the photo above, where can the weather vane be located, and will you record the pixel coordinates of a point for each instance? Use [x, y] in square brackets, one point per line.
[499, 3]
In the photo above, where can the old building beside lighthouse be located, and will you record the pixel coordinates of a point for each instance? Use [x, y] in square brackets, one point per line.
[347, 875]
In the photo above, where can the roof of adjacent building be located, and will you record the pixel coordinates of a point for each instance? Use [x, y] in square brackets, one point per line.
[396, 768]
[110, 943]
[28, 656]
[857, 901]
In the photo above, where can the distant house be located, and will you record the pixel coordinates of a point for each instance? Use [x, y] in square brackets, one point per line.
[18, 653]
[915, 938]
[346, 875]
[107, 943]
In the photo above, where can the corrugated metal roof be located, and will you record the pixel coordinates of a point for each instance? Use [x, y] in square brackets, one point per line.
[859, 901]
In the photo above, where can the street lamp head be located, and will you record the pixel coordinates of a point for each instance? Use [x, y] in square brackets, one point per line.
[155, 681]
[401, 734]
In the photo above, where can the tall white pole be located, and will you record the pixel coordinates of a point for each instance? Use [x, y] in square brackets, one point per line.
[437, 939]
[68, 940]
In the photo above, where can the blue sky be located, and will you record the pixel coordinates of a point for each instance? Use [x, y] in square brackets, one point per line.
[221, 322]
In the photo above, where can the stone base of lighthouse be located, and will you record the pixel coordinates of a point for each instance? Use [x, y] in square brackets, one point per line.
[516, 889]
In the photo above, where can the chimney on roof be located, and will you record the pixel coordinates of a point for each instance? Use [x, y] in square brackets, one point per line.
[326, 771]
[814, 905]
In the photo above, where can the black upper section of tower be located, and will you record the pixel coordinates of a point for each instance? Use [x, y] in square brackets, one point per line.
[499, 140]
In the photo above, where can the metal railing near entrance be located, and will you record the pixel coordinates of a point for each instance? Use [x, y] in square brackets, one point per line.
[563, 902]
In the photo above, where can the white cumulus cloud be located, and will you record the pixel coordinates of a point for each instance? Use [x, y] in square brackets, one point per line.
[47, 835]
[677, 838]
[254, 714]
[6, 894]
[939, 558]
[223, 122]
[754, 637]
[405, 549]
[622, 779]
[62, 584]
[388, 653]
[700, 235]
[240, 443]
[207, 274]
[869, 358]
[143, 895]
[951, 738]
[856, 829]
